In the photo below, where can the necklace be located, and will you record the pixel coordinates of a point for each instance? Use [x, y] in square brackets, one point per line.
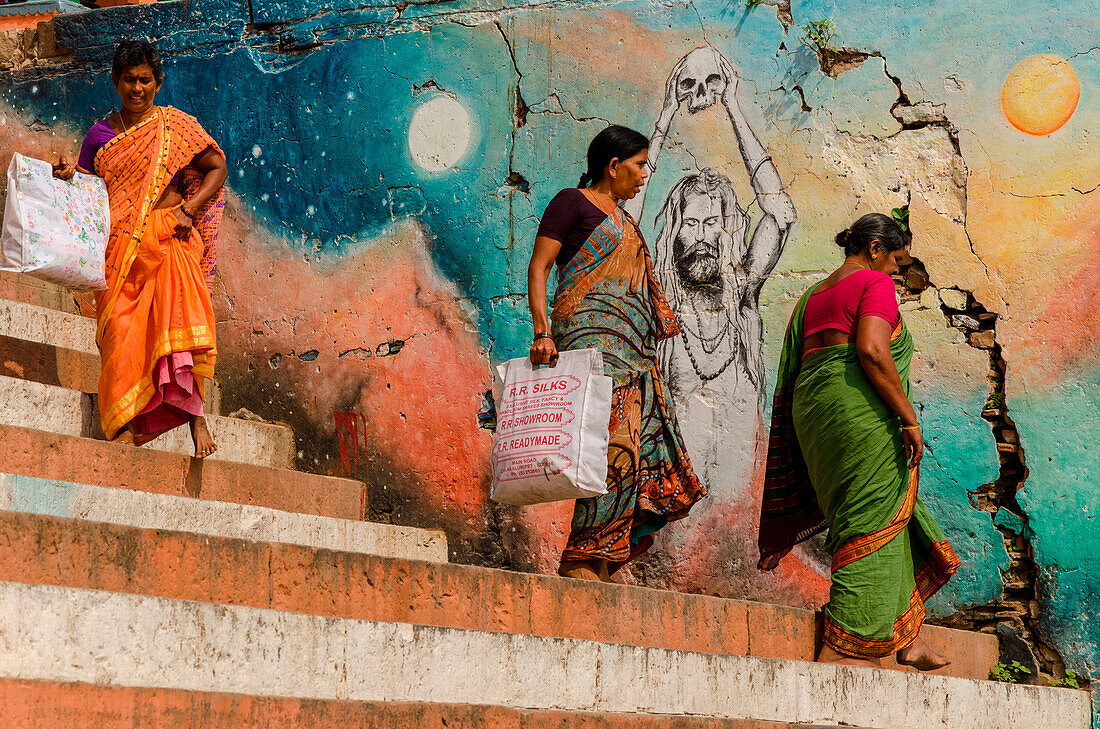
[606, 195]
[122, 120]
[704, 376]
[710, 344]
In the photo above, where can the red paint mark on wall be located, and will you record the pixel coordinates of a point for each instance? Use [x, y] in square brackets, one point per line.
[347, 437]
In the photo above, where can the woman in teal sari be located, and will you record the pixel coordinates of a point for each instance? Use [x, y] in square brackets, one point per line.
[608, 298]
[844, 453]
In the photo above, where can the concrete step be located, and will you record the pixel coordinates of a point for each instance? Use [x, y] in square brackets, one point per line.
[29, 290]
[87, 706]
[58, 348]
[56, 409]
[67, 635]
[48, 364]
[225, 521]
[20, 320]
[41, 454]
[90, 555]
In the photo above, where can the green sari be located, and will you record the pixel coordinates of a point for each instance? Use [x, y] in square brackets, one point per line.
[835, 460]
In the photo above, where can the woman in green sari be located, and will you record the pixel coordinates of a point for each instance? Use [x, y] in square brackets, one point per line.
[844, 454]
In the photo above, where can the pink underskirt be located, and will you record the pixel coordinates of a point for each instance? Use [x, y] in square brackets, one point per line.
[175, 398]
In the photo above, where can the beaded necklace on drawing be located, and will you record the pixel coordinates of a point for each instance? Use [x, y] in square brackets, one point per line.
[695, 365]
[717, 339]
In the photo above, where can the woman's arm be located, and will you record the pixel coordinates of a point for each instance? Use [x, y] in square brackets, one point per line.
[212, 164]
[873, 350]
[543, 350]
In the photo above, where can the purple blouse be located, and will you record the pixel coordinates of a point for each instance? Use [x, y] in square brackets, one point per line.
[569, 219]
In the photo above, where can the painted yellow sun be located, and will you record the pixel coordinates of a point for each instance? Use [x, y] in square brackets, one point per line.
[1040, 94]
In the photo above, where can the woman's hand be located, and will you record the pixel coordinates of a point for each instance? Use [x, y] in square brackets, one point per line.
[544, 352]
[912, 443]
[184, 222]
[64, 169]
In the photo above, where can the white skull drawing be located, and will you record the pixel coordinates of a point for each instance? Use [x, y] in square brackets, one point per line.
[701, 80]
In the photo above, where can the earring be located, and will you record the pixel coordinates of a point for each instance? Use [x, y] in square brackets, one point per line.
[874, 256]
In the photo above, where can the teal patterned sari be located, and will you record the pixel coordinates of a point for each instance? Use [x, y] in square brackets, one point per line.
[608, 298]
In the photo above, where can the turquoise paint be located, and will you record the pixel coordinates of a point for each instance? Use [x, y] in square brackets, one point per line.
[960, 457]
[1060, 430]
[1012, 522]
[38, 496]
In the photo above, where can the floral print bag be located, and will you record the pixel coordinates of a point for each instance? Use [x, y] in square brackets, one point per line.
[55, 230]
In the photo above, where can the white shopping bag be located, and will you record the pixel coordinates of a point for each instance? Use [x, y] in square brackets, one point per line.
[53, 229]
[552, 430]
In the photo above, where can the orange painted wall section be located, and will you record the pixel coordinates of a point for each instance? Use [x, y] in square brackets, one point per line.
[19, 22]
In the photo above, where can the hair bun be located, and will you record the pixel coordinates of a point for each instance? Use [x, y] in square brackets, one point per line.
[842, 238]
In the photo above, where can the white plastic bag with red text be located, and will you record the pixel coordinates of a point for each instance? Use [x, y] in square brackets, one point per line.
[552, 430]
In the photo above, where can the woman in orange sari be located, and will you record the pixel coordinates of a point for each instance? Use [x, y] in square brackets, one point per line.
[155, 332]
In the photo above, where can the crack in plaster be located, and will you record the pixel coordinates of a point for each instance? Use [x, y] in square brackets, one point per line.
[520, 110]
[979, 326]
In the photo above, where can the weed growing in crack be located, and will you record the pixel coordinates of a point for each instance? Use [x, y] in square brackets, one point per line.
[751, 4]
[821, 37]
[818, 36]
[1067, 681]
[1009, 672]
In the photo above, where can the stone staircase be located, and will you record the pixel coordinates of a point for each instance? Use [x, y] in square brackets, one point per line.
[140, 587]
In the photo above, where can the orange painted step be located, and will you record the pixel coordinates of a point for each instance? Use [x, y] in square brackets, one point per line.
[82, 460]
[48, 364]
[85, 706]
[184, 566]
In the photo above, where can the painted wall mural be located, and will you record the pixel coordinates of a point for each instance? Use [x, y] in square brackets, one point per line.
[389, 164]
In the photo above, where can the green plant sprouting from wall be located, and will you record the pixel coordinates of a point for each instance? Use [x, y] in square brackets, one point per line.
[1067, 681]
[819, 36]
[751, 4]
[901, 217]
[1009, 672]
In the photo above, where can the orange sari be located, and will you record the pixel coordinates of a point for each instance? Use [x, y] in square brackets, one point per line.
[155, 321]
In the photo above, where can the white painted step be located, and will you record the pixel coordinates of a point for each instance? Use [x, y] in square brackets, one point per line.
[55, 409]
[64, 634]
[48, 326]
[146, 510]
[63, 330]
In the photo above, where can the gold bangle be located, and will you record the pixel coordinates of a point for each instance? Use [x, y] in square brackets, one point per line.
[910, 427]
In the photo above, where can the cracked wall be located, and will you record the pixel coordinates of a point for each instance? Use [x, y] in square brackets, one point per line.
[368, 279]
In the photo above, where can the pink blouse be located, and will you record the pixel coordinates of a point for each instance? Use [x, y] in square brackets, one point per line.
[842, 305]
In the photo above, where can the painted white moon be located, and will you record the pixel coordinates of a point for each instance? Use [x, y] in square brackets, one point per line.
[439, 133]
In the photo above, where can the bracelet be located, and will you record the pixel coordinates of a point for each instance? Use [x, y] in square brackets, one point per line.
[189, 215]
[542, 335]
[910, 427]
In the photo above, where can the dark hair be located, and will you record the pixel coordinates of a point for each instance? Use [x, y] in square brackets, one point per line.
[871, 227]
[614, 142]
[134, 53]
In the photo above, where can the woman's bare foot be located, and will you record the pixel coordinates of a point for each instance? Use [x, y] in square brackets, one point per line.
[918, 655]
[124, 436]
[829, 655]
[579, 569]
[585, 569]
[200, 434]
